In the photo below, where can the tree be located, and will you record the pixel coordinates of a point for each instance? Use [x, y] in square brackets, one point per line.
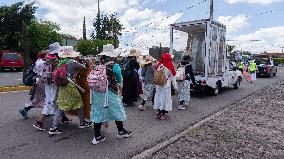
[107, 28]
[13, 22]
[40, 35]
[230, 48]
[84, 29]
[92, 47]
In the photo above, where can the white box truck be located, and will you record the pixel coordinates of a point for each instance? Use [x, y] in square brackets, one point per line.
[205, 41]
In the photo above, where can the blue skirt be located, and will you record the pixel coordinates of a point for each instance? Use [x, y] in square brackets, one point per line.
[113, 112]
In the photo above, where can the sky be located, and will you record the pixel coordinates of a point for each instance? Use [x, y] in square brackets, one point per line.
[146, 22]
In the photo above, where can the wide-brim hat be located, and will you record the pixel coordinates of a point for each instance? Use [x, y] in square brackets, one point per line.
[108, 50]
[134, 53]
[147, 60]
[54, 48]
[67, 51]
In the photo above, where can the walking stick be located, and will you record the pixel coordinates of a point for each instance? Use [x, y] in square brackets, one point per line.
[80, 88]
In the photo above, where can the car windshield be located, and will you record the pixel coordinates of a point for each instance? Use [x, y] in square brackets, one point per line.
[12, 56]
[263, 61]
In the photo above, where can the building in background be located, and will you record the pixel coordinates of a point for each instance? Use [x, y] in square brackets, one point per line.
[273, 55]
[69, 40]
[156, 51]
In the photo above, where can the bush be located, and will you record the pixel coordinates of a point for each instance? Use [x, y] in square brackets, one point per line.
[278, 60]
[92, 47]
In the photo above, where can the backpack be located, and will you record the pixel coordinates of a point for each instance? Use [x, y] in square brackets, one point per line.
[97, 79]
[60, 76]
[28, 75]
[180, 76]
[160, 78]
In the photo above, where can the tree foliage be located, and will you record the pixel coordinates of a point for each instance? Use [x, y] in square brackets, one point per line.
[41, 34]
[92, 47]
[12, 20]
[230, 48]
[107, 27]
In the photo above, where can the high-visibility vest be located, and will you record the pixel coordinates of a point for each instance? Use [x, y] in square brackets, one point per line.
[241, 65]
[252, 66]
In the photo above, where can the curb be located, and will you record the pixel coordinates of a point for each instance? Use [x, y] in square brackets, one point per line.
[149, 152]
[14, 88]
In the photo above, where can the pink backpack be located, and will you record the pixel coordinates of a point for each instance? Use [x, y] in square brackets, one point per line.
[60, 76]
[97, 79]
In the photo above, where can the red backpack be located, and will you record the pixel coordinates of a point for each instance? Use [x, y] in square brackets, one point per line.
[60, 76]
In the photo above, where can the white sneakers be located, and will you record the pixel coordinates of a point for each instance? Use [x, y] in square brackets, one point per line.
[141, 108]
[181, 107]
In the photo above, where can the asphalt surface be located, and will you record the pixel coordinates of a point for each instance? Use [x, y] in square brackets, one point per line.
[8, 78]
[20, 140]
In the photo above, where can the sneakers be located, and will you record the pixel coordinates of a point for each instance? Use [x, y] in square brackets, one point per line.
[97, 140]
[124, 134]
[65, 120]
[181, 107]
[24, 113]
[39, 126]
[141, 108]
[85, 124]
[54, 131]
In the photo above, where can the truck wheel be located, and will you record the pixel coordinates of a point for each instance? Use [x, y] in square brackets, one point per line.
[237, 84]
[217, 89]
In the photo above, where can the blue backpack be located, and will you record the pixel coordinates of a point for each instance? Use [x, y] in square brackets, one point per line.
[28, 75]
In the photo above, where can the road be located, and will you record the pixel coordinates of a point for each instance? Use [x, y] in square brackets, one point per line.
[20, 140]
[10, 78]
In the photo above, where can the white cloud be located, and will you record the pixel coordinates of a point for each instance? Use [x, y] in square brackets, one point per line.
[234, 24]
[262, 2]
[271, 40]
[160, 1]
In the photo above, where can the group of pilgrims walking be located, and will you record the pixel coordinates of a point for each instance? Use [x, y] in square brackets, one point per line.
[55, 88]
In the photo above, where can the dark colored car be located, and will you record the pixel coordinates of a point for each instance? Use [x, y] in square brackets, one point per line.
[266, 67]
[11, 60]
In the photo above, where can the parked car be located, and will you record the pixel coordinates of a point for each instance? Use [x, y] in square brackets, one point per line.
[266, 67]
[11, 60]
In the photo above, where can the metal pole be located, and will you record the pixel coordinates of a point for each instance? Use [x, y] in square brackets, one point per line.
[211, 9]
[171, 40]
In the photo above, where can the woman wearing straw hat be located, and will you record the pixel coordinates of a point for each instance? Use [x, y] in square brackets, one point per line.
[107, 105]
[69, 97]
[130, 77]
[147, 78]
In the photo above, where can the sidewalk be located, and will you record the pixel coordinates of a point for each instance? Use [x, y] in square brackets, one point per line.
[252, 128]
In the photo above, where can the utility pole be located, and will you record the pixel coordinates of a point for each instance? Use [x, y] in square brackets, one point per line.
[211, 9]
[84, 29]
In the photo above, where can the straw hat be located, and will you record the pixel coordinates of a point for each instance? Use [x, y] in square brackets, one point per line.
[68, 52]
[134, 53]
[108, 50]
[147, 60]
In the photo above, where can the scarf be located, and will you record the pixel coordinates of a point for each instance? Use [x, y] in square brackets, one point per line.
[166, 60]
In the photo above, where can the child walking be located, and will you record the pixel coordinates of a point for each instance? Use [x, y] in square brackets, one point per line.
[147, 78]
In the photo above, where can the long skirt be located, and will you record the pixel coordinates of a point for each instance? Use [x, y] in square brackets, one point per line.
[113, 111]
[39, 96]
[184, 91]
[69, 98]
[163, 98]
[50, 99]
[129, 90]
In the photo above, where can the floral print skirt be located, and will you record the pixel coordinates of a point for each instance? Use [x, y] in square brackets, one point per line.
[69, 98]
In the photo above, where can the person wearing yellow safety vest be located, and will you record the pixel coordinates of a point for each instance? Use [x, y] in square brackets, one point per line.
[252, 70]
[241, 66]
